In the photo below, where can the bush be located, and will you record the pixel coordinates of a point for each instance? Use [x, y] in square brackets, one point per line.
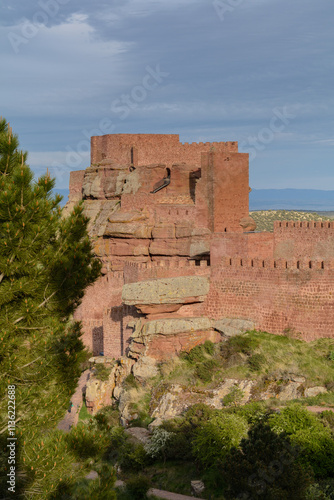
[327, 418]
[306, 430]
[233, 397]
[256, 362]
[238, 344]
[157, 444]
[214, 439]
[137, 487]
[101, 372]
[130, 382]
[209, 347]
[265, 468]
[86, 443]
[196, 355]
[205, 370]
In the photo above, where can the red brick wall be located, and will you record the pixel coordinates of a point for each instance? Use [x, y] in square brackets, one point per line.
[226, 178]
[116, 330]
[76, 180]
[134, 272]
[152, 148]
[275, 298]
[240, 244]
[309, 239]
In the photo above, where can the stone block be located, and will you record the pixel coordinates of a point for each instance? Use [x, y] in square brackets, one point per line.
[171, 326]
[166, 291]
[170, 247]
[231, 327]
[163, 231]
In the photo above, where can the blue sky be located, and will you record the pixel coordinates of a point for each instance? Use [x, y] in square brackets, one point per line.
[256, 71]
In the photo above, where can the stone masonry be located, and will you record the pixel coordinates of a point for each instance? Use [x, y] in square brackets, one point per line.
[170, 222]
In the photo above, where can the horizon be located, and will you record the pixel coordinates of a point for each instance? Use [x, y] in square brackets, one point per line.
[253, 72]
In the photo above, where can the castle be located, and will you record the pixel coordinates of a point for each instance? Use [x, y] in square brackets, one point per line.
[182, 261]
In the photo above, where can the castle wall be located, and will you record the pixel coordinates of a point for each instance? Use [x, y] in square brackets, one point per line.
[76, 180]
[240, 244]
[275, 294]
[152, 148]
[311, 239]
[226, 178]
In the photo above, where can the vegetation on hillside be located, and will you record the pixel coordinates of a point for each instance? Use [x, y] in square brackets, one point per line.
[265, 218]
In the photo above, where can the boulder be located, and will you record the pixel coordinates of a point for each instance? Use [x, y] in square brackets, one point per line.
[231, 327]
[248, 224]
[138, 435]
[310, 392]
[180, 290]
[134, 224]
[171, 326]
[197, 487]
[145, 368]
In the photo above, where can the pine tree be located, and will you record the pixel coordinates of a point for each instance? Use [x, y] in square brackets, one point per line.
[46, 262]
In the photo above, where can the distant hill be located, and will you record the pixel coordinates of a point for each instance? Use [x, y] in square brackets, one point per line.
[291, 199]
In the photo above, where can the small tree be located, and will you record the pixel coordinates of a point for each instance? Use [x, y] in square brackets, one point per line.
[46, 262]
[265, 468]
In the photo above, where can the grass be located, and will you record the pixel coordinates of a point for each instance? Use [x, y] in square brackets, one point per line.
[84, 415]
[265, 218]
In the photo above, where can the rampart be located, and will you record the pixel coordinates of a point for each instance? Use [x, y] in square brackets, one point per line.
[161, 209]
[278, 295]
[313, 239]
[147, 149]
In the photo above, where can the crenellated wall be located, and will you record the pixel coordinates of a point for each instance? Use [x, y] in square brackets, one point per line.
[278, 295]
[312, 239]
[196, 225]
[152, 148]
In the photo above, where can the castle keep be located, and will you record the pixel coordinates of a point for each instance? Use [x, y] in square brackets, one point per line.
[182, 261]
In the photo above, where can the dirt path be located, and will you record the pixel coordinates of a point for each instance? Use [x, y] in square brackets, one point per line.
[168, 495]
[71, 418]
[319, 409]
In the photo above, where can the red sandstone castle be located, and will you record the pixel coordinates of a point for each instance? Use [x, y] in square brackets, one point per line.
[181, 260]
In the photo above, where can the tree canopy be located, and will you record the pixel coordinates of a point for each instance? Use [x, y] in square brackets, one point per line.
[46, 262]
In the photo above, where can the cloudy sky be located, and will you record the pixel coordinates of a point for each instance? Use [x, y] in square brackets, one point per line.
[259, 72]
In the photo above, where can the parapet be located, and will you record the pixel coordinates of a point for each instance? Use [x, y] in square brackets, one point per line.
[305, 224]
[145, 149]
[257, 263]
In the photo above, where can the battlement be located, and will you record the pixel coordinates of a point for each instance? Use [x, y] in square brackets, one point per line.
[147, 149]
[288, 224]
[257, 263]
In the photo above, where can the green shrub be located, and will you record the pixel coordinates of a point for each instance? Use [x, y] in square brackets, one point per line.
[306, 430]
[137, 487]
[215, 438]
[130, 382]
[101, 372]
[256, 362]
[238, 344]
[157, 444]
[198, 414]
[85, 442]
[327, 418]
[196, 355]
[205, 370]
[209, 347]
[254, 412]
[233, 397]
[265, 467]
[132, 457]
